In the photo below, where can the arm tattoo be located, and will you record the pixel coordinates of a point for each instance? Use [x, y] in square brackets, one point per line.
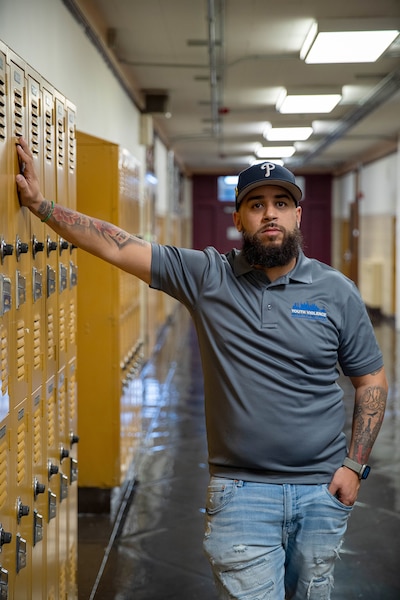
[44, 208]
[367, 420]
[72, 219]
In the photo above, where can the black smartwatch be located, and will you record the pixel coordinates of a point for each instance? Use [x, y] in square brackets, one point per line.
[361, 470]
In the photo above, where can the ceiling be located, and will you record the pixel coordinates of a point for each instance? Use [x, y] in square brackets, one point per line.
[221, 64]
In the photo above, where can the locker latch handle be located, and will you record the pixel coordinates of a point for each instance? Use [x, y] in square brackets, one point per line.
[20, 247]
[5, 249]
[5, 536]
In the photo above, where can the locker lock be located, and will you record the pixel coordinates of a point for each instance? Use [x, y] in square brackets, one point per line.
[74, 439]
[64, 453]
[63, 244]
[5, 536]
[51, 245]
[5, 249]
[38, 488]
[36, 246]
[52, 469]
[22, 510]
[20, 247]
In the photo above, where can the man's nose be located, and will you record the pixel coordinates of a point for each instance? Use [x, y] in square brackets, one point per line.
[269, 212]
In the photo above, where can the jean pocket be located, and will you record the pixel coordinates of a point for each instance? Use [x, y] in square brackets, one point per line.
[220, 492]
[336, 500]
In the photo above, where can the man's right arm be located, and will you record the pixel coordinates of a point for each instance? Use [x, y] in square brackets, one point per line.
[103, 239]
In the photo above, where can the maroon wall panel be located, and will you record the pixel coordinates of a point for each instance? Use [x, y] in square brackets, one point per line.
[316, 223]
[212, 218]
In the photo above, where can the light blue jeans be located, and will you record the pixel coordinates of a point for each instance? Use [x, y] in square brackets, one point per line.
[273, 541]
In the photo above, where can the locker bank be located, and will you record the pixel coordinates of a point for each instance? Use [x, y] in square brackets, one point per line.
[103, 459]
[40, 337]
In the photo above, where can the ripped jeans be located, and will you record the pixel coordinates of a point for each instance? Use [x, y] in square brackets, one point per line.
[273, 541]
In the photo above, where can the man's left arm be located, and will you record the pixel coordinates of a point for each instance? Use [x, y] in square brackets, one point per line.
[369, 409]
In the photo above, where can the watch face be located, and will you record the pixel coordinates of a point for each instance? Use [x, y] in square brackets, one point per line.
[365, 472]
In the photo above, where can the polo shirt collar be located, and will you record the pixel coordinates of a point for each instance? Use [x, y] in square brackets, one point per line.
[302, 271]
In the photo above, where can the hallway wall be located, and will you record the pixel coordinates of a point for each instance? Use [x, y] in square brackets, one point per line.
[374, 190]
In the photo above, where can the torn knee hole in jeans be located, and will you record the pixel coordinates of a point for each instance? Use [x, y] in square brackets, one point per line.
[320, 588]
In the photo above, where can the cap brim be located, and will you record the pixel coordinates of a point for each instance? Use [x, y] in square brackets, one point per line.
[294, 190]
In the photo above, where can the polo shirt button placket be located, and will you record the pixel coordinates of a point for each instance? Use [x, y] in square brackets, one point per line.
[268, 312]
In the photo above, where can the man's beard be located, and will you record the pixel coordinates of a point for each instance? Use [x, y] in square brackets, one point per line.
[268, 256]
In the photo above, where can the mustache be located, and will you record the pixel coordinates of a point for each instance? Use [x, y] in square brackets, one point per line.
[265, 228]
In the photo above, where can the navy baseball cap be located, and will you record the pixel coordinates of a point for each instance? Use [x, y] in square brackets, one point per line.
[267, 173]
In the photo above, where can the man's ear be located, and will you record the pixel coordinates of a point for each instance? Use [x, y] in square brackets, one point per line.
[298, 216]
[237, 221]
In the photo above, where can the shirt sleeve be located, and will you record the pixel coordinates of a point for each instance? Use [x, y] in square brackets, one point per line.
[359, 352]
[180, 272]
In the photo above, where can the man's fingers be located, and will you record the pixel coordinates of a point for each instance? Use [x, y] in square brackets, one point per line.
[23, 149]
[21, 181]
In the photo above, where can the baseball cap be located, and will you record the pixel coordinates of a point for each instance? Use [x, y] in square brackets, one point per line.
[266, 173]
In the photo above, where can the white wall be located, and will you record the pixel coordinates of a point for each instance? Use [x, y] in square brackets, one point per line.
[344, 193]
[379, 215]
[47, 37]
[378, 184]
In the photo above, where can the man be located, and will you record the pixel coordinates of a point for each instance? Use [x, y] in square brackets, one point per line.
[272, 326]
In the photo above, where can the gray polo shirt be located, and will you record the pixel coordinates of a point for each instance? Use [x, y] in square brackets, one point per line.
[270, 355]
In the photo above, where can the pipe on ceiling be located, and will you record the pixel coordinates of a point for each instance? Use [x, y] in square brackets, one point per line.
[385, 89]
[215, 48]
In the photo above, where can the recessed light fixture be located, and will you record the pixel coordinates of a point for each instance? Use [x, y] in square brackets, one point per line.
[307, 101]
[285, 134]
[348, 40]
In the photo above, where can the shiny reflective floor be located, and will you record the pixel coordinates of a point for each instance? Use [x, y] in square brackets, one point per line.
[149, 547]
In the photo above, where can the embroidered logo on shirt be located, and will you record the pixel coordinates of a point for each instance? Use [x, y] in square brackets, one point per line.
[308, 311]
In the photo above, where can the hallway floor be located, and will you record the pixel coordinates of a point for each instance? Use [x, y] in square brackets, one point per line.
[150, 545]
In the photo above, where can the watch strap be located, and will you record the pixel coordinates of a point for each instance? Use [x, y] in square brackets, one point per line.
[361, 470]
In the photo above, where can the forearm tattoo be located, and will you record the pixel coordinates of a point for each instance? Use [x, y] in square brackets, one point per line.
[66, 217]
[367, 420]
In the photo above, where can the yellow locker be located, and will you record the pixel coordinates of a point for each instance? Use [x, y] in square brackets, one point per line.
[109, 334]
[71, 433]
[7, 515]
[63, 483]
[39, 482]
[7, 529]
[20, 221]
[53, 489]
[62, 198]
[72, 559]
[21, 487]
[35, 140]
[46, 245]
[49, 191]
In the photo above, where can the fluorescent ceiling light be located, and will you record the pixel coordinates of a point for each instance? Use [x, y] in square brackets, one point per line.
[307, 103]
[348, 40]
[275, 151]
[324, 127]
[284, 134]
